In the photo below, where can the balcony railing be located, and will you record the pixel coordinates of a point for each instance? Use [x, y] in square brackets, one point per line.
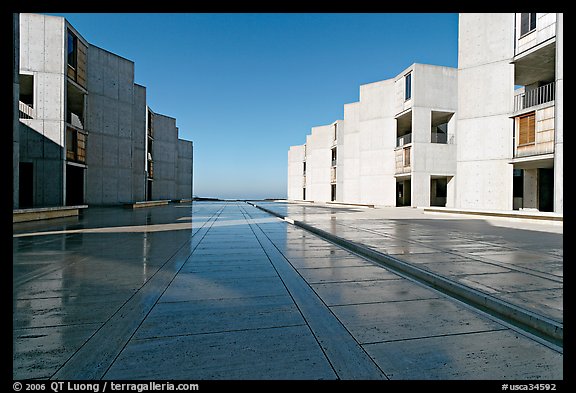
[534, 97]
[333, 162]
[403, 140]
[25, 111]
[150, 169]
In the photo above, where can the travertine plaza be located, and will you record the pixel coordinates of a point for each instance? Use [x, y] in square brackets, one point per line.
[486, 135]
[337, 283]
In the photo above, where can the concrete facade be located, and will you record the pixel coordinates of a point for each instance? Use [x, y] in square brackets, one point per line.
[297, 172]
[510, 143]
[487, 135]
[115, 133]
[83, 125]
[385, 144]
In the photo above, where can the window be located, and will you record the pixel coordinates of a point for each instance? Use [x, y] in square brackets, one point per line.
[72, 41]
[408, 87]
[334, 157]
[527, 22]
[527, 129]
[304, 171]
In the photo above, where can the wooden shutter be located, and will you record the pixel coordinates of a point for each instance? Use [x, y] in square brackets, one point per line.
[81, 64]
[527, 129]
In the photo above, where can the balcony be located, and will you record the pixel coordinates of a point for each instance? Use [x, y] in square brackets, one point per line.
[404, 140]
[535, 97]
[75, 146]
[25, 111]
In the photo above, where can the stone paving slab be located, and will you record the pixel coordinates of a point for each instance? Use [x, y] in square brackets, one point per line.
[466, 357]
[233, 355]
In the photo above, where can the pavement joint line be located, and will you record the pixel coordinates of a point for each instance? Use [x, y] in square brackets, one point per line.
[93, 360]
[347, 357]
[541, 326]
[436, 336]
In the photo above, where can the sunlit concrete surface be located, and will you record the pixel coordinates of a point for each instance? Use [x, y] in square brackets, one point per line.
[223, 290]
[518, 262]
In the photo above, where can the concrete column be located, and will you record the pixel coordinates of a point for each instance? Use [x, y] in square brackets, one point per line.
[531, 188]
[420, 189]
[558, 118]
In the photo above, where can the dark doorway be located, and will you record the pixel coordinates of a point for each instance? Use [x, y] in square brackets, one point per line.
[26, 185]
[403, 193]
[333, 193]
[74, 185]
[546, 189]
[149, 191]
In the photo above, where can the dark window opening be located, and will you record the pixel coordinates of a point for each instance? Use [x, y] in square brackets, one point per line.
[408, 87]
[74, 185]
[333, 193]
[527, 22]
[72, 43]
[304, 194]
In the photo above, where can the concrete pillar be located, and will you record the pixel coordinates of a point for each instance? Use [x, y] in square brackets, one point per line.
[558, 118]
[531, 188]
[420, 189]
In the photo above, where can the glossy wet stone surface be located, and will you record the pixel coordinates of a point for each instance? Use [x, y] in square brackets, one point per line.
[222, 290]
[499, 257]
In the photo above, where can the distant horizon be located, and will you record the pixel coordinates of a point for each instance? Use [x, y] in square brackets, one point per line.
[245, 87]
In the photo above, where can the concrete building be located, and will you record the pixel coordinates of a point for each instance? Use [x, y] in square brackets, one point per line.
[510, 147]
[488, 135]
[83, 135]
[394, 147]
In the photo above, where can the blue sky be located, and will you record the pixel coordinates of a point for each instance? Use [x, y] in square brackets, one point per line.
[245, 87]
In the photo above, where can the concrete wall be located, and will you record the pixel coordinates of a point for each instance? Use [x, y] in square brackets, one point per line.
[112, 129]
[485, 99]
[349, 155]
[165, 153]
[318, 163]
[139, 143]
[15, 95]
[295, 172]
[184, 170]
[41, 139]
[435, 89]
[377, 140]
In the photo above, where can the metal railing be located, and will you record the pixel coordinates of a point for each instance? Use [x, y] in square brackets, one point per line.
[534, 97]
[333, 162]
[25, 111]
[403, 140]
